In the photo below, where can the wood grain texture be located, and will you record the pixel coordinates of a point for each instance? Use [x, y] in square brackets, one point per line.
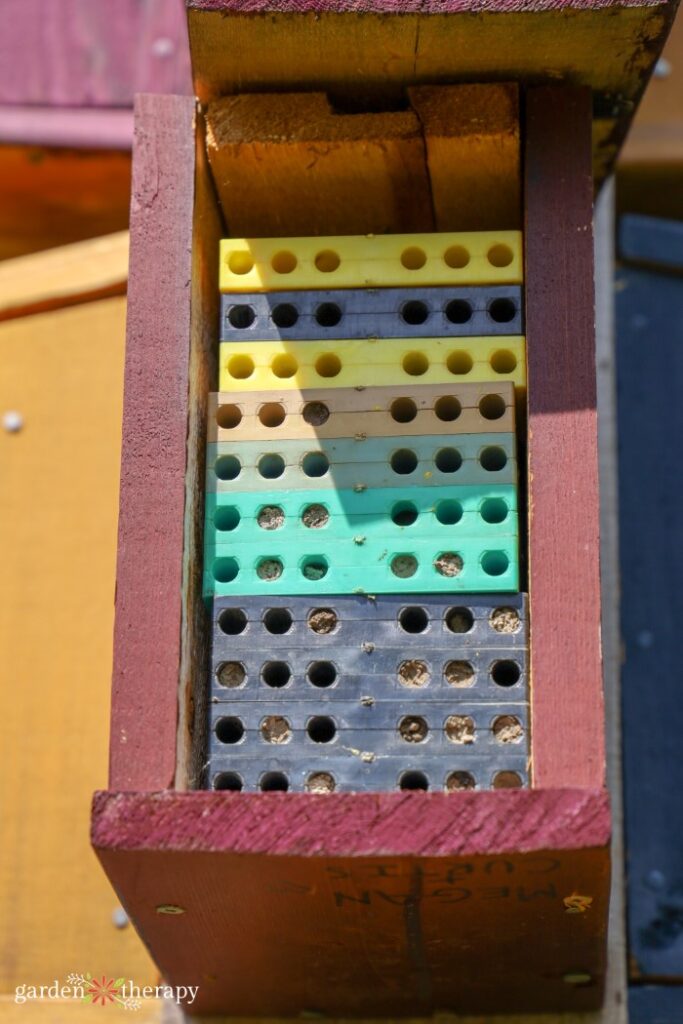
[63, 372]
[288, 165]
[469, 917]
[473, 154]
[202, 374]
[149, 572]
[564, 576]
[77, 53]
[64, 276]
[301, 45]
[55, 196]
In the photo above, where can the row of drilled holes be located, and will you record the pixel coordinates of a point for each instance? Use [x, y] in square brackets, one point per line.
[404, 513]
[327, 261]
[402, 565]
[402, 410]
[403, 461]
[325, 782]
[413, 674]
[329, 365]
[411, 619]
[415, 312]
[459, 729]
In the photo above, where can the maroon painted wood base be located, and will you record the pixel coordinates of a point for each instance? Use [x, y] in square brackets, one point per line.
[366, 905]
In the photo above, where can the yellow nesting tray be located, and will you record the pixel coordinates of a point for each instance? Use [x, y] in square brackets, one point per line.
[371, 261]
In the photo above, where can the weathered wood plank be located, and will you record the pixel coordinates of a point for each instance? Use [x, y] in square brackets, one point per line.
[455, 904]
[149, 576]
[288, 165]
[64, 276]
[472, 136]
[564, 576]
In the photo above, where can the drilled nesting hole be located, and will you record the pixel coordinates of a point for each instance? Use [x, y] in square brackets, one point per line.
[276, 674]
[413, 619]
[232, 621]
[228, 416]
[229, 729]
[322, 674]
[278, 620]
[321, 729]
[413, 780]
[272, 414]
[274, 782]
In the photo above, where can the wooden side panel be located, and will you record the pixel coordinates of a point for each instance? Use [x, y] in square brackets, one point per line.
[62, 372]
[473, 154]
[149, 577]
[564, 579]
[481, 917]
[287, 165]
[78, 53]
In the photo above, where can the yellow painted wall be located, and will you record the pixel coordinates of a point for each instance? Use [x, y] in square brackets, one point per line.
[63, 372]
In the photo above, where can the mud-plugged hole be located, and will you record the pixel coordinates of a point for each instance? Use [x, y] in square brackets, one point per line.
[459, 674]
[271, 517]
[269, 569]
[413, 673]
[404, 566]
[231, 674]
[320, 782]
[507, 729]
[314, 568]
[276, 729]
[460, 780]
[459, 729]
[315, 517]
[505, 620]
[316, 413]
[323, 620]
[449, 564]
[413, 729]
